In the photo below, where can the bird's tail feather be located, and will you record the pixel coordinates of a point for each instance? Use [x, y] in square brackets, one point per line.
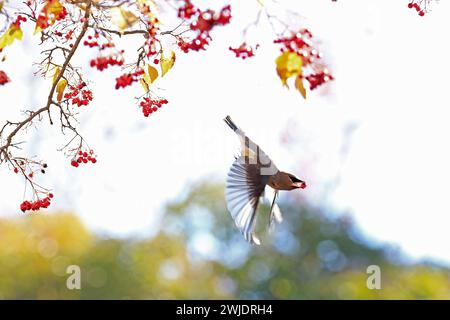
[230, 123]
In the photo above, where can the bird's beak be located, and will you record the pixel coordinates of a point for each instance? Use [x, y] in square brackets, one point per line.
[300, 184]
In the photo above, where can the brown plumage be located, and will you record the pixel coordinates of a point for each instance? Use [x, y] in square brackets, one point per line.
[247, 179]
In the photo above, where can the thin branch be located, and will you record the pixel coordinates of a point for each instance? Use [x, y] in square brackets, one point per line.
[46, 108]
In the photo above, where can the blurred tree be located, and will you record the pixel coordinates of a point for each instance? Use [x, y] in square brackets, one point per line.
[198, 253]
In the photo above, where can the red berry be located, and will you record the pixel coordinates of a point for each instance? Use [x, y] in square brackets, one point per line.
[101, 63]
[243, 51]
[36, 205]
[128, 78]
[3, 78]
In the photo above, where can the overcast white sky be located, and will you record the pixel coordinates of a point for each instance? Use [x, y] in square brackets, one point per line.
[391, 68]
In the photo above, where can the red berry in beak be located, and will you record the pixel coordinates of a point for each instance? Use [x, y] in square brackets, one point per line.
[303, 185]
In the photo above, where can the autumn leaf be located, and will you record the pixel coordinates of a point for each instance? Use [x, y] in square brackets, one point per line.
[56, 74]
[60, 89]
[300, 87]
[289, 64]
[122, 18]
[149, 77]
[52, 11]
[153, 73]
[167, 61]
[13, 33]
[144, 85]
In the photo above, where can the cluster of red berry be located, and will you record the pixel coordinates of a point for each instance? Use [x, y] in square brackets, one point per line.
[300, 43]
[151, 105]
[128, 78]
[152, 27]
[200, 42]
[243, 51]
[314, 71]
[69, 34]
[48, 17]
[187, 10]
[209, 18]
[19, 20]
[150, 18]
[420, 6]
[318, 78]
[79, 95]
[150, 47]
[202, 22]
[36, 205]
[3, 78]
[90, 43]
[102, 63]
[83, 157]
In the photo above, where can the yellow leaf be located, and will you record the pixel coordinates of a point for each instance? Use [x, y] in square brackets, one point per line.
[167, 61]
[153, 73]
[289, 64]
[261, 2]
[60, 89]
[144, 84]
[146, 78]
[56, 74]
[13, 33]
[300, 87]
[149, 77]
[122, 18]
[1, 5]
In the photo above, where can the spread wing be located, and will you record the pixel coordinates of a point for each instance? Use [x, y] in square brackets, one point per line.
[245, 185]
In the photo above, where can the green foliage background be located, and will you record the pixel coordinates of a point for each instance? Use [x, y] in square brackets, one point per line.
[199, 254]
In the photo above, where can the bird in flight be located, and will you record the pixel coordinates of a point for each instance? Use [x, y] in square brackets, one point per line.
[252, 175]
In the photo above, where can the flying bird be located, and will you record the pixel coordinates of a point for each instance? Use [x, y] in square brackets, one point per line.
[252, 175]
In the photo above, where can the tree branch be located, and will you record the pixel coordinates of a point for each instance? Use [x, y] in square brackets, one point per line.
[46, 108]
